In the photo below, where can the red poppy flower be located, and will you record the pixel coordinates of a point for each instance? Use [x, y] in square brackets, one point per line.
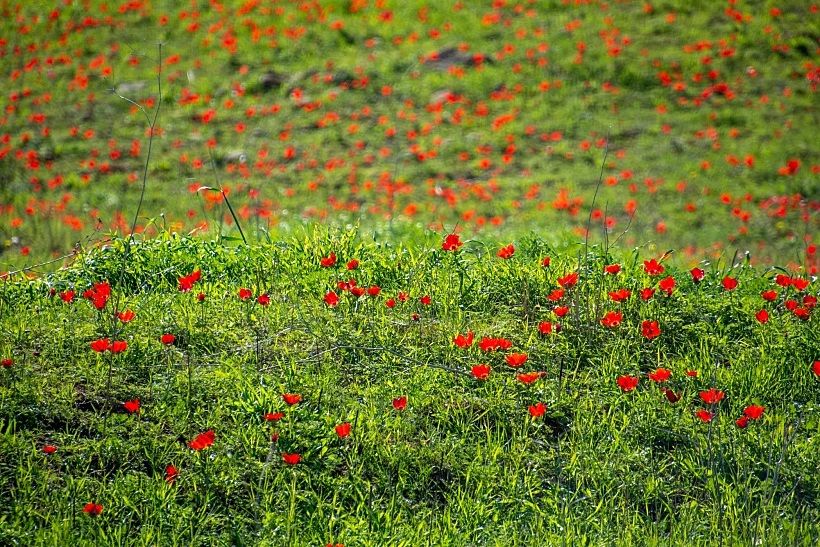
[126, 316]
[67, 296]
[171, 473]
[729, 283]
[400, 403]
[650, 329]
[100, 345]
[762, 316]
[652, 267]
[49, 449]
[620, 295]
[660, 375]
[200, 297]
[545, 327]
[391, 303]
[647, 293]
[118, 346]
[291, 399]
[790, 304]
[537, 410]
[414, 317]
[353, 264]
[375, 290]
[516, 359]
[263, 299]
[560, 311]
[627, 383]
[463, 341]
[329, 261]
[754, 412]
[692, 373]
[357, 291]
[274, 417]
[704, 415]
[506, 252]
[7, 363]
[529, 377]
[244, 294]
[612, 269]
[712, 396]
[802, 313]
[331, 299]
[132, 406]
[482, 372]
[343, 430]
[545, 262]
[742, 422]
[186, 283]
[815, 368]
[203, 440]
[93, 509]
[451, 243]
[291, 459]
[557, 294]
[612, 319]
[671, 396]
[697, 275]
[425, 300]
[770, 296]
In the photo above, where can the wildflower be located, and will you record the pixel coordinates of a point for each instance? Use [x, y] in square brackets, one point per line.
[546, 262]
[203, 440]
[612, 269]
[712, 396]
[620, 295]
[375, 290]
[762, 316]
[612, 319]
[100, 345]
[263, 299]
[168, 339]
[528, 378]
[331, 299]
[133, 406]
[671, 396]
[627, 383]
[697, 275]
[769, 296]
[451, 242]
[653, 267]
[506, 252]
[391, 303]
[400, 403]
[560, 311]
[329, 261]
[67, 296]
[126, 316]
[754, 412]
[650, 329]
[729, 283]
[200, 297]
[667, 285]
[692, 373]
[49, 449]
[537, 410]
[481, 372]
[425, 300]
[290, 459]
[704, 415]
[274, 417]
[93, 509]
[244, 294]
[118, 346]
[545, 327]
[557, 294]
[660, 375]
[343, 430]
[742, 422]
[186, 283]
[463, 341]
[568, 280]
[171, 474]
[815, 368]
[647, 293]
[516, 359]
[353, 264]
[291, 399]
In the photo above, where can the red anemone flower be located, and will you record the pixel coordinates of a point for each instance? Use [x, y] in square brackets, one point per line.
[244, 294]
[697, 275]
[712, 396]
[133, 406]
[529, 377]
[100, 345]
[653, 267]
[815, 368]
[49, 449]
[627, 383]
[729, 283]
[290, 459]
[400, 403]
[463, 341]
[612, 319]
[274, 417]
[168, 339]
[762, 316]
[620, 295]
[769, 296]
[329, 261]
[118, 346]
[704, 415]
[516, 359]
[660, 375]
[353, 264]
[263, 299]
[481, 371]
[612, 269]
[126, 316]
[650, 329]
[568, 280]
[331, 299]
[506, 252]
[93, 509]
[742, 422]
[171, 473]
[647, 293]
[754, 412]
[343, 430]
[537, 410]
[203, 440]
[545, 327]
[671, 396]
[291, 399]
[451, 242]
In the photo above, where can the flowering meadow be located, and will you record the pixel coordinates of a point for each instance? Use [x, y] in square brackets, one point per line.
[367, 272]
[324, 391]
[484, 117]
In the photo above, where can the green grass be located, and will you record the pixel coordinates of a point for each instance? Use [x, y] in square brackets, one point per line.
[464, 463]
[57, 75]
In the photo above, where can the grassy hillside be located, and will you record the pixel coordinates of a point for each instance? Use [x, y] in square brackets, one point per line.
[448, 392]
[486, 118]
